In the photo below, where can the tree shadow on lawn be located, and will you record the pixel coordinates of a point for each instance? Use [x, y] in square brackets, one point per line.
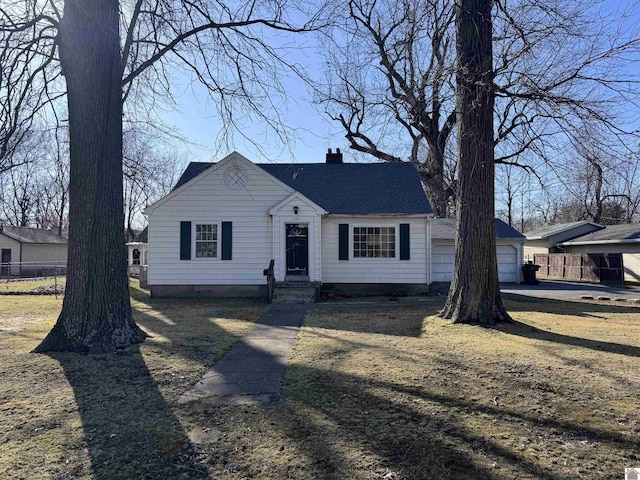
[409, 437]
[129, 430]
[600, 312]
[184, 327]
[517, 302]
[527, 331]
[403, 320]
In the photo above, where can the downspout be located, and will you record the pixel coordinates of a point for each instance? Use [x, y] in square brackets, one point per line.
[429, 250]
[520, 254]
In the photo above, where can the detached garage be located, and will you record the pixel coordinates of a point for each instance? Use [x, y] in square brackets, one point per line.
[24, 250]
[509, 247]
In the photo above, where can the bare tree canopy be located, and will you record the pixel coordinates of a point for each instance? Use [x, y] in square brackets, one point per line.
[389, 77]
[224, 44]
[390, 69]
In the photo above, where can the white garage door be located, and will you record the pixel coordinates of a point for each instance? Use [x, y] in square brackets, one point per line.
[442, 263]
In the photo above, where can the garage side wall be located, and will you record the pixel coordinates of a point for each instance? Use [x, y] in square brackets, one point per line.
[10, 244]
[44, 253]
[631, 262]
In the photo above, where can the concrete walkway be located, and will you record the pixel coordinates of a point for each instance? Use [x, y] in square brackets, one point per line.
[252, 371]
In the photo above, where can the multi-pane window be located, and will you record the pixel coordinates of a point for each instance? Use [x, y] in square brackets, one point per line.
[206, 240]
[374, 242]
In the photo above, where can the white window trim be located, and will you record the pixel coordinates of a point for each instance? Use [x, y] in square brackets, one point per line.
[395, 226]
[218, 241]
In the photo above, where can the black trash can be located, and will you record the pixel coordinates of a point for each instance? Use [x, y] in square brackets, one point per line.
[529, 270]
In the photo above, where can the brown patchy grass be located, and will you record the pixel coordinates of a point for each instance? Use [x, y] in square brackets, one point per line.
[108, 416]
[371, 392]
[552, 396]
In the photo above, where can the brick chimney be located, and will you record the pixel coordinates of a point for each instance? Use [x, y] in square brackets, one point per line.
[334, 157]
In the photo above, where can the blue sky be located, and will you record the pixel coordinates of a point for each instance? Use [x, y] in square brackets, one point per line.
[198, 120]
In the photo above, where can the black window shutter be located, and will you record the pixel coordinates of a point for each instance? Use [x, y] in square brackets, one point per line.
[227, 240]
[404, 242]
[185, 240]
[343, 241]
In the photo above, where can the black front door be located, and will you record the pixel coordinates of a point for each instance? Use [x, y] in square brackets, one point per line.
[6, 258]
[297, 249]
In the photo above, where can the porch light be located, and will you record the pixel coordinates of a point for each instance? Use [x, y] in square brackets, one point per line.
[295, 210]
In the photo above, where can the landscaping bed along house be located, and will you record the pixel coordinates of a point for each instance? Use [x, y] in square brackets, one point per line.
[372, 391]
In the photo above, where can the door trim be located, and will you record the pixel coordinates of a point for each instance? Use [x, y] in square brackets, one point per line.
[298, 272]
[280, 239]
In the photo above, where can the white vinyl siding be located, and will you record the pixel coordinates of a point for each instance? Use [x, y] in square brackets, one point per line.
[374, 270]
[208, 199]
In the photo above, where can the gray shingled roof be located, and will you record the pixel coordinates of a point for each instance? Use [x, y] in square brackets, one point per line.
[611, 233]
[33, 235]
[445, 229]
[549, 230]
[347, 188]
[193, 170]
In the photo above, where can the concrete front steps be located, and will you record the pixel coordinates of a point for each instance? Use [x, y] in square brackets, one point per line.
[296, 292]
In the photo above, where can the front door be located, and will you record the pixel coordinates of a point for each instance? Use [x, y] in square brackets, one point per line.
[5, 259]
[297, 248]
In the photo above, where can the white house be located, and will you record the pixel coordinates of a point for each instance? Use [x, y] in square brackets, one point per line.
[137, 252]
[334, 223]
[27, 251]
[509, 250]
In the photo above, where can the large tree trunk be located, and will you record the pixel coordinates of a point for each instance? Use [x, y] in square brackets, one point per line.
[474, 295]
[96, 312]
[431, 173]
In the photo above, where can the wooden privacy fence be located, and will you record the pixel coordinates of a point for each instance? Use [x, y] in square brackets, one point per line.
[581, 267]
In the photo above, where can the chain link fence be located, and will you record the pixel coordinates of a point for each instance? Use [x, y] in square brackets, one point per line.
[28, 270]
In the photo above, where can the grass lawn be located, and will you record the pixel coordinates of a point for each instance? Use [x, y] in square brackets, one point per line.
[30, 285]
[382, 392]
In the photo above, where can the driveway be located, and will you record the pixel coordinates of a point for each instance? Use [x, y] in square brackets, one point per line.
[570, 291]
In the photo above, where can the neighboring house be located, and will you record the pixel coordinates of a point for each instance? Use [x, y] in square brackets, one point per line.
[624, 239]
[342, 225]
[546, 239]
[509, 243]
[138, 251]
[30, 249]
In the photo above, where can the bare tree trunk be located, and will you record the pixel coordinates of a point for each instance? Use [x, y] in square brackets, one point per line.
[432, 175]
[96, 313]
[597, 189]
[474, 295]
